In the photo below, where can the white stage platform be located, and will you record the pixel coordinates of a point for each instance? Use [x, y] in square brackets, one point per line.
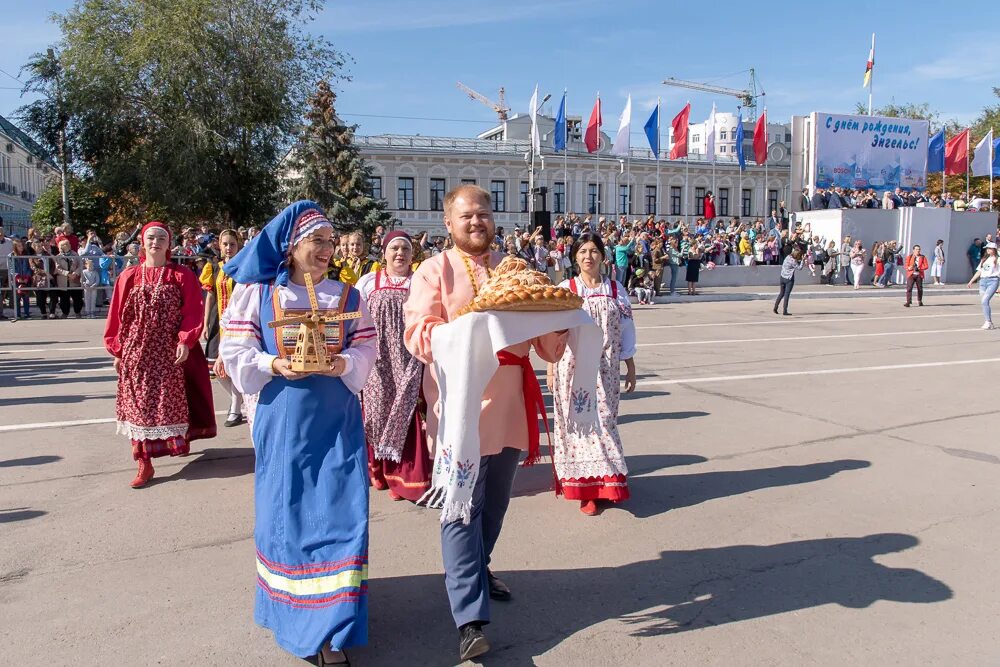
[910, 225]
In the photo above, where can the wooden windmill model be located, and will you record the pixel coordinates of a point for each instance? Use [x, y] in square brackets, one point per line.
[310, 345]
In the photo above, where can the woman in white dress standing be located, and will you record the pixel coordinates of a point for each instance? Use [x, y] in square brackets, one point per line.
[591, 467]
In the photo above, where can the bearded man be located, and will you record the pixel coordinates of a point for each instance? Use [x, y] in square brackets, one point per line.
[441, 286]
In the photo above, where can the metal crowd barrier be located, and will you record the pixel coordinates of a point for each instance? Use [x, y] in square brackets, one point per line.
[64, 297]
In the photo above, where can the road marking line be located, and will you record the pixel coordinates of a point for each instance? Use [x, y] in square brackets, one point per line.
[815, 321]
[57, 349]
[78, 422]
[783, 338]
[825, 371]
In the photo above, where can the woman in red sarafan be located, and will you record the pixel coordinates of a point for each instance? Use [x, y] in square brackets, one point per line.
[164, 392]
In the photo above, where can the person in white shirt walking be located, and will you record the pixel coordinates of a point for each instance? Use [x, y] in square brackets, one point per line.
[988, 274]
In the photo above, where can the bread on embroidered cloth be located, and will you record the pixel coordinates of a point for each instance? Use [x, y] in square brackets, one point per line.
[514, 286]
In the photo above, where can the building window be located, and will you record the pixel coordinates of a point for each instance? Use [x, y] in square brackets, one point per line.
[651, 200]
[593, 197]
[375, 187]
[695, 138]
[722, 135]
[747, 202]
[722, 149]
[772, 201]
[559, 197]
[699, 201]
[498, 189]
[405, 192]
[624, 199]
[437, 194]
[524, 193]
[675, 200]
[723, 201]
[468, 181]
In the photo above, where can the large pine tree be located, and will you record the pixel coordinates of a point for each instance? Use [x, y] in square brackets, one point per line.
[327, 168]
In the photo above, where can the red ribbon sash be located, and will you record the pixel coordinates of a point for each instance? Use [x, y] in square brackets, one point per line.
[534, 404]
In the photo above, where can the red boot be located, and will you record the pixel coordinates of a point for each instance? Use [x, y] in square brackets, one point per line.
[144, 475]
[588, 507]
[377, 479]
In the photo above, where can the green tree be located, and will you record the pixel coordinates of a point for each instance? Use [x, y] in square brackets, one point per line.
[88, 208]
[326, 167]
[187, 105]
[912, 110]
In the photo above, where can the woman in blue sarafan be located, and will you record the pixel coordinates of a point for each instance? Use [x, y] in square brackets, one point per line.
[311, 476]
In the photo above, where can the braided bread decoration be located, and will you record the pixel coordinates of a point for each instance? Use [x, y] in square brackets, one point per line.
[516, 287]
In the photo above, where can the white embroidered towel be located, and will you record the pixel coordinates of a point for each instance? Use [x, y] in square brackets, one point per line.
[465, 359]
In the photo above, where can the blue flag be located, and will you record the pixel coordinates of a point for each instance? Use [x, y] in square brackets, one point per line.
[559, 134]
[652, 129]
[739, 142]
[935, 152]
[996, 158]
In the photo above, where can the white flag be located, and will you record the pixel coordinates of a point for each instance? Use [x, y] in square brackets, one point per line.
[622, 143]
[536, 138]
[981, 161]
[710, 135]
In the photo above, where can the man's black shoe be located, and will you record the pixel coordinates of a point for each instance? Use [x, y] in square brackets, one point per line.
[472, 643]
[499, 591]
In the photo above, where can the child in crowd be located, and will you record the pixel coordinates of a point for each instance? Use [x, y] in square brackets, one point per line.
[642, 286]
[90, 281]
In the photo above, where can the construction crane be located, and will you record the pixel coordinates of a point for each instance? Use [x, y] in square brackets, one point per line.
[747, 98]
[499, 107]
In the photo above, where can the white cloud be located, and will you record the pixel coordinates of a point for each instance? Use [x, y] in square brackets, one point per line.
[976, 59]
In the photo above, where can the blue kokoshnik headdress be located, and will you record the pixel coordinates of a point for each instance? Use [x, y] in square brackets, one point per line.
[265, 257]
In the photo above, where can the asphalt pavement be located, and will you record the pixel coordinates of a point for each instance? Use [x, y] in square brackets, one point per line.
[815, 489]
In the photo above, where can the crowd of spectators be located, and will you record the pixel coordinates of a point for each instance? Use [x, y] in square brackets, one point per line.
[61, 272]
[837, 197]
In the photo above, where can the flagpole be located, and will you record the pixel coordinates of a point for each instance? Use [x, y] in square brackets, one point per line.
[968, 135]
[767, 202]
[565, 206]
[628, 179]
[656, 206]
[944, 167]
[871, 77]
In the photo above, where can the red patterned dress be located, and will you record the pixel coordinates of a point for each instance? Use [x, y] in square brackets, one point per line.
[161, 406]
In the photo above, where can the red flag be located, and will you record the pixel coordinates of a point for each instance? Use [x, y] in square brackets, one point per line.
[593, 136]
[956, 154]
[760, 139]
[680, 125]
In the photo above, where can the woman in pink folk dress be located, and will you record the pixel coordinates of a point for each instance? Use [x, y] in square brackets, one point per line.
[591, 467]
[164, 396]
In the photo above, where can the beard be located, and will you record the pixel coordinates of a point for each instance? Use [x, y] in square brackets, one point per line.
[471, 246]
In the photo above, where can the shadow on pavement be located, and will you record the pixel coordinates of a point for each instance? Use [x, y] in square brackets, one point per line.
[538, 479]
[214, 463]
[19, 514]
[52, 400]
[657, 494]
[677, 592]
[30, 461]
[657, 416]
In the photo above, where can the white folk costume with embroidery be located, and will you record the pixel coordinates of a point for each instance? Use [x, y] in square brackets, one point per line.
[591, 466]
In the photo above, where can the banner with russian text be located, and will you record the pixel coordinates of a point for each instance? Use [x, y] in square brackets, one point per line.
[869, 152]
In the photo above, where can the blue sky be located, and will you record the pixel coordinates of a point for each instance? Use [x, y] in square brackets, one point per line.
[408, 54]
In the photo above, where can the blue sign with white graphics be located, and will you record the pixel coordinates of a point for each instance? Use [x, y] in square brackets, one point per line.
[870, 152]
